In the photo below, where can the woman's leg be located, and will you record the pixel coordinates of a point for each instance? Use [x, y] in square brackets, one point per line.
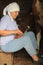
[17, 44]
[13, 46]
[33, 39]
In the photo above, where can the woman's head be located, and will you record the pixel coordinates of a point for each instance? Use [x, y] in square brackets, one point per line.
[13, 9]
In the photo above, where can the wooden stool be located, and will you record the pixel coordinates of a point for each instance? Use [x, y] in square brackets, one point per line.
[6, 58]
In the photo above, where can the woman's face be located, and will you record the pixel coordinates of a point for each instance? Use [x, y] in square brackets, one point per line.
[14, 14]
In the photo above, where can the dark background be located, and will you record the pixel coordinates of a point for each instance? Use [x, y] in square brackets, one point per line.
[25, 5]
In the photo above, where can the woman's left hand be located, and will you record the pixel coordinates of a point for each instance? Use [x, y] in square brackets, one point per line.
[18, 36]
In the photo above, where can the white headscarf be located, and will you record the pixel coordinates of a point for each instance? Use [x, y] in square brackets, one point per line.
[11, 7]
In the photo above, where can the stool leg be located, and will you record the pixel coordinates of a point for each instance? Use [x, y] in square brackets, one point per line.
[13, 59]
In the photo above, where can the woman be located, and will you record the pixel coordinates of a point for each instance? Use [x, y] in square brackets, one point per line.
[13, 39]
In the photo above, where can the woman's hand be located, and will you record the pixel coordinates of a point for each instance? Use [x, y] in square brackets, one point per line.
[17, 36]
[19, 32]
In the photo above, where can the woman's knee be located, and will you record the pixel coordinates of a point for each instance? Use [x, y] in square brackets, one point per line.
[31, 34]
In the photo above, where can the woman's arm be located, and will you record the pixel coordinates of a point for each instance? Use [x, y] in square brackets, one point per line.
[9, 32]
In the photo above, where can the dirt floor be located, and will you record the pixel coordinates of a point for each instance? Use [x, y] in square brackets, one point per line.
[22, 58]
